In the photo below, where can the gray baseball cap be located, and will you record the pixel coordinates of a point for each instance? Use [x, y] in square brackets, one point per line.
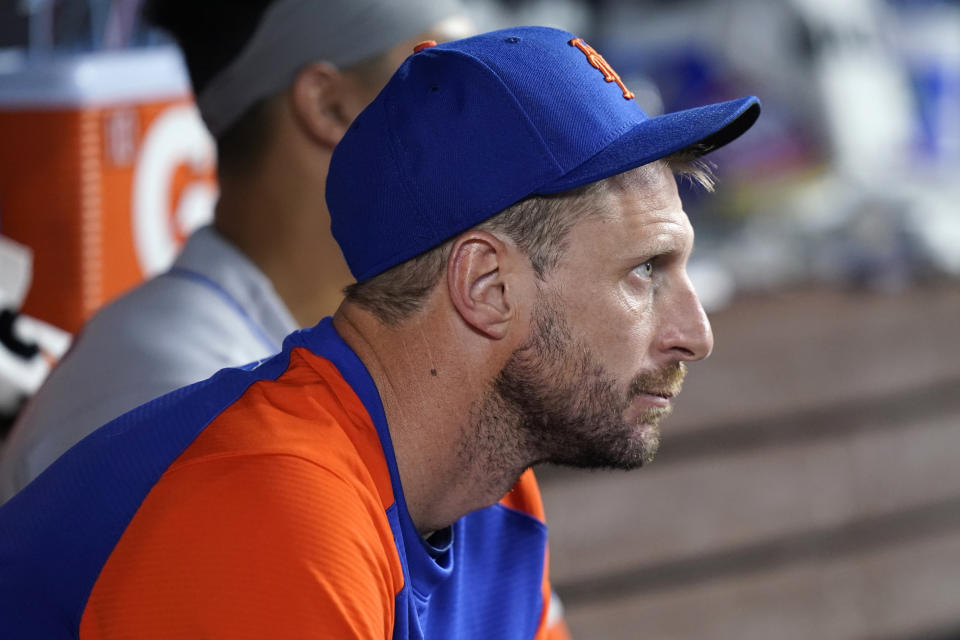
[294, 33]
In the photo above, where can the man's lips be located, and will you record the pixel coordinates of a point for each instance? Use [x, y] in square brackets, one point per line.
[656, 398]
[655, 389]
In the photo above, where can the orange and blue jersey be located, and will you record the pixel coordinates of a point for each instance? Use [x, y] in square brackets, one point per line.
[263, 502]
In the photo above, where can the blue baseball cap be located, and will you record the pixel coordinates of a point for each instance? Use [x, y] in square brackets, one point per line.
[467, 128]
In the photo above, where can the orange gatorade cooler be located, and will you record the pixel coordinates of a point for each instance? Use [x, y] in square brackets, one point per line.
[105, 167]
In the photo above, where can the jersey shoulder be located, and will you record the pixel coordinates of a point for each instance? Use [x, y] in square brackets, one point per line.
[308, 412]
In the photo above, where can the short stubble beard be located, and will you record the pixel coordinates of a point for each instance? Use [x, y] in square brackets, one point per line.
[555, 402]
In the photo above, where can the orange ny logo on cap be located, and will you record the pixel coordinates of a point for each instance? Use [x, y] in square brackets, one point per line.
[598, 62]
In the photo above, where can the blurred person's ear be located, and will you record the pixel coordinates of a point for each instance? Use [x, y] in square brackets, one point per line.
[319, 103]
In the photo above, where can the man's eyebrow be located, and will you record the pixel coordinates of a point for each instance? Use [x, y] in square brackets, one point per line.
[663, 244]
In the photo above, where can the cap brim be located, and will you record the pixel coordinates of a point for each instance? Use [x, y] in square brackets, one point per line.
[710, 126]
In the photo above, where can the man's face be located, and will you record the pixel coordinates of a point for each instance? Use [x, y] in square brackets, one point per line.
[614, 323]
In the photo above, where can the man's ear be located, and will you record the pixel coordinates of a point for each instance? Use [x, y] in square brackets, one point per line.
[477, 278]
[317, 99]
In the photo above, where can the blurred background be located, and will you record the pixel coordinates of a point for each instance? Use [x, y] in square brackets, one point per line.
[808, 484]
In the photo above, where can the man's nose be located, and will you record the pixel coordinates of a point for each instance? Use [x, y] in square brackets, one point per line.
[686, 333]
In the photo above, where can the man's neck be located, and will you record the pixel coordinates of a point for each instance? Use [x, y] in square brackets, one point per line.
[279, 222]
[429, 399]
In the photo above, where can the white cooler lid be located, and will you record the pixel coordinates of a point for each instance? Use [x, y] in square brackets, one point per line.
[93, 79]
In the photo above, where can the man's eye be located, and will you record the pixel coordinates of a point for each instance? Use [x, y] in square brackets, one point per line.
[645, 270]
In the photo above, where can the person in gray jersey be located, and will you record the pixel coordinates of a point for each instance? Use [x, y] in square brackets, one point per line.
[277, 84]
